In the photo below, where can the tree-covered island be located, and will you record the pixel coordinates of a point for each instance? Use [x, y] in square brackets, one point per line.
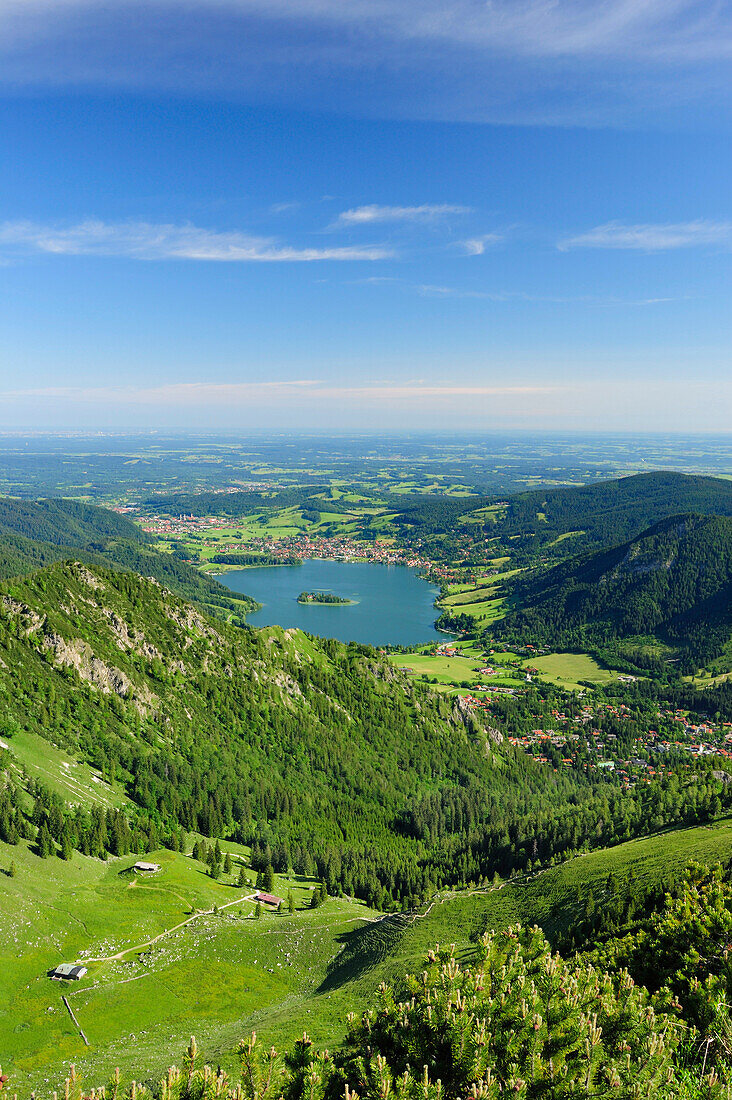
[322, 597]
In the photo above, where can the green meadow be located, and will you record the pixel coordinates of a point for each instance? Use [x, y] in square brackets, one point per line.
[168, 953]
[553, 899]
[72, 779]
[456, 672]
[482, 599]
[372, 952]
[569, 670]
[175, 952]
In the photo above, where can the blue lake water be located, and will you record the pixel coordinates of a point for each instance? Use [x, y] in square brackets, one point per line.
[392, 603]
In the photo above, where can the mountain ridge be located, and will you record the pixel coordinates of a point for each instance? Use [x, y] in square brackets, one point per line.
[219, 729]
[673, 581]
[34, 534]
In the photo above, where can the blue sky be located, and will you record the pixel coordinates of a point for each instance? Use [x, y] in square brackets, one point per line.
[310, 214]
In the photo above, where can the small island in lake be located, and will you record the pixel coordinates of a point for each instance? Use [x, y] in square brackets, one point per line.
[322, 597]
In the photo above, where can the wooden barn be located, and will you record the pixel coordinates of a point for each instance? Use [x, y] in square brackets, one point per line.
[268, 899]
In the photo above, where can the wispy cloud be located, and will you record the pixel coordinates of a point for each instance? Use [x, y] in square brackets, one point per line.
[368, 215]
[427, 290]
[539, 61]
[476, 246]
[649, 28]
[145, 241]
[652, 238]
[270, 394]
[176, 393]
[374, 280]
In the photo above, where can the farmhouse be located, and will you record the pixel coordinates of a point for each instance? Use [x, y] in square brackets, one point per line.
[267, 899]
[142, 866]
[68, 970]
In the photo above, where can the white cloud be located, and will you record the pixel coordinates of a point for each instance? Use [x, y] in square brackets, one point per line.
[367, 215]
[586, 62]
[145, 241]
[427, 290]
[270, 394]
[652, 238]
[374, 280]
[476, 246]
[666, 29]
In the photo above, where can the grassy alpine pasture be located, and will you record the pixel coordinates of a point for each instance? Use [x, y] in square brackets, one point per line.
[72, 779]
[224, 973]
[485, 516]
[482, 599]
[552, 899]
[569, 670]
[449, 670]
[470, 596]
[167, 953]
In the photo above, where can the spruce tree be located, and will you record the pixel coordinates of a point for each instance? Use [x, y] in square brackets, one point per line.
[44, 842]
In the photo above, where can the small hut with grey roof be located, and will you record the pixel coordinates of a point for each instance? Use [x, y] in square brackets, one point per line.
[70, 971]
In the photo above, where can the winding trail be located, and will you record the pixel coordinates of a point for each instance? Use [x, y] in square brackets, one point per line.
[167, 932]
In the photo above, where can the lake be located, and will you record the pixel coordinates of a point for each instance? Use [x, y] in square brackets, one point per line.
[392, 603]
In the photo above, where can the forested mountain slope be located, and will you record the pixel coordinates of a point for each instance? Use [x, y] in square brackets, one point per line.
[540, 521]
[37, 533]
[322, 752]
[609, 512]
[64, 522]
[220, 729]
[673, 582]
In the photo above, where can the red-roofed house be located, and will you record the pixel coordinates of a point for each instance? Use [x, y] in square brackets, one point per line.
[268, 899]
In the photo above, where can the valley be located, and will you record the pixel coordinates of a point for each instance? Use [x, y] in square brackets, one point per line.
[365, 550]
[526, 720]
[231, 972]
[387, 604]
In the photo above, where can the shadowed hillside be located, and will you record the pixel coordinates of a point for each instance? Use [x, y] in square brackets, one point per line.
[673, 582]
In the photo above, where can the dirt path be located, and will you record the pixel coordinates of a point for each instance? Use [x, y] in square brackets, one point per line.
[162, 935]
